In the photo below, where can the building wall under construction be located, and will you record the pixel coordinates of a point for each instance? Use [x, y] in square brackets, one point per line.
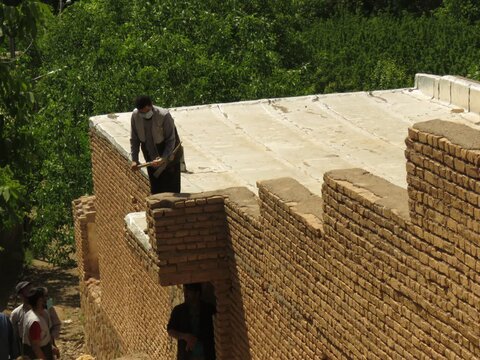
[368, 270]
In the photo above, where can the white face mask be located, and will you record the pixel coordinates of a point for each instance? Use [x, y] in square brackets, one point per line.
[147, 115]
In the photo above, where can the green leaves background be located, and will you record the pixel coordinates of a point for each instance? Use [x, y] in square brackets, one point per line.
[97, 55]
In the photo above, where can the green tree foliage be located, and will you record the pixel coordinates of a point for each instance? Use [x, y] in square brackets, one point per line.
[12, 197]
[18, 30]
[97, 55]
[460, 9]
[19, 25]
[350, 52]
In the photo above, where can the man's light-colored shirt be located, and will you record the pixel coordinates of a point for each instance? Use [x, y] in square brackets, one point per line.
[161, 127]
[17, 317]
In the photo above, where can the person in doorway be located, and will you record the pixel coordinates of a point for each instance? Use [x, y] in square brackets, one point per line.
[37, 340]
[8, 346]
[153, 130]
[18, 314]
[191, 323]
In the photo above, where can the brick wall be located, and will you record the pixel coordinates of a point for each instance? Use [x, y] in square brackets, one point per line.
[291, 243]
[443, 165]
[118, 191]
[374, 275]
[188, 234]
[245, 255]
[146, 305]
[122, 269]
[370, 270]
[101, 337]
[195, 243]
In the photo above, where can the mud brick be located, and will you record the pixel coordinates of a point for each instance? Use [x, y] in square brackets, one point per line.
[215, 200]
[200, 201]
[179, 204]
[174, 212]
[214, 208]
[190, 203]
[422, 137]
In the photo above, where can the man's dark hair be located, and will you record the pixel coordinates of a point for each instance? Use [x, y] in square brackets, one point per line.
[142, 101]
[195, 287]
[34, 295]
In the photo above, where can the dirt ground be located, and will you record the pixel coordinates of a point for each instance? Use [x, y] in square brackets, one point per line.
[62, 286]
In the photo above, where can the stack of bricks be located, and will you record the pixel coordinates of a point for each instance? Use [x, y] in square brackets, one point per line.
[87, 253]
[188, 234]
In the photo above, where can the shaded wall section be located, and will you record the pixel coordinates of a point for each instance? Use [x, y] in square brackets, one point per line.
[370, 270]
[126, 292]
[11, 262]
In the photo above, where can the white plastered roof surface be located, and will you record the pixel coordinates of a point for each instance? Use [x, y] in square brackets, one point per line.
[237, 144]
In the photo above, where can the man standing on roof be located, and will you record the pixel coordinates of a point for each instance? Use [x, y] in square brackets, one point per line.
[153, 130]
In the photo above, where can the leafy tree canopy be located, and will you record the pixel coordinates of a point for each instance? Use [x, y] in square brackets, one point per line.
[19, 26]
[97, 55]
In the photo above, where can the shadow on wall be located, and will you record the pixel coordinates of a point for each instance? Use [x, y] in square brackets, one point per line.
[239, 325]
[11, 262]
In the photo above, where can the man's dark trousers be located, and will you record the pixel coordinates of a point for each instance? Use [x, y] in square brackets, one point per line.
[168, 181]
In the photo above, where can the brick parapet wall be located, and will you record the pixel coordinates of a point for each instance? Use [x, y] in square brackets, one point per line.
[372, 267]
[293, 246]
[404, 285]
[188, 234]
[444, 177]
[370, 270]
[443, 165]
